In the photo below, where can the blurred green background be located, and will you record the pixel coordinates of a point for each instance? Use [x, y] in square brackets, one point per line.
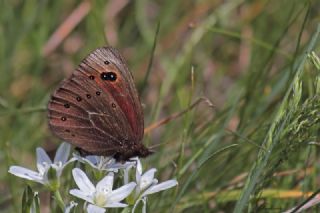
[251, 151]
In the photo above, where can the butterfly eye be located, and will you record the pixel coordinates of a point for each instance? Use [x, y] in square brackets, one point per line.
[108, 76]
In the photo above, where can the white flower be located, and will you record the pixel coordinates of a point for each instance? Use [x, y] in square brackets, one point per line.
[102, 163]
[102, 195]
[147, 184]
[44, 164]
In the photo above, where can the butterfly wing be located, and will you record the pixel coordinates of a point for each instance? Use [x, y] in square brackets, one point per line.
[98, 108]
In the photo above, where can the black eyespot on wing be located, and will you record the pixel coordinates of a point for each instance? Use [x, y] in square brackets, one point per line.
[108, 76]
[106, 62]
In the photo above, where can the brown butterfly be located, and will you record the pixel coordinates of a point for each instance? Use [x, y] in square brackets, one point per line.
[97, 108]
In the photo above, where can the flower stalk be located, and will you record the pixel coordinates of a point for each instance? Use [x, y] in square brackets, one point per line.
[59, 200]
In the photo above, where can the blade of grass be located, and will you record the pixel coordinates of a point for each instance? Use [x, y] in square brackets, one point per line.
[271, 140]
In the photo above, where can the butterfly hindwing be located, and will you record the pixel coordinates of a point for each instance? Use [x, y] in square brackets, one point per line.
[97, 108]
[69, 118]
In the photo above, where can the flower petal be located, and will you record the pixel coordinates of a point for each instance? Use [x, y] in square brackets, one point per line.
[42, 156]
[138, 170]
[82, 195]
[26, 174]
[116, 205]
[92, 159]
[59, 166]
[106, 183]
[160, 187]
[83, 181]
[62, 153]
[147, 179]
[122, 192]
[95, 209]
[43, 160]
[113, 166]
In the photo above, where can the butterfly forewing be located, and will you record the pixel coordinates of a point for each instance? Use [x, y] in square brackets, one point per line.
[98, 109]
[123, 89]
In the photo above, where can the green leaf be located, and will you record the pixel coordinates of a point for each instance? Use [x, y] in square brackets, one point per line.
[30, 201]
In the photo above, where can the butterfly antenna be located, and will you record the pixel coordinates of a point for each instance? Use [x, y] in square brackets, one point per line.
[146, 77]
[177, 115]
[154, 147]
